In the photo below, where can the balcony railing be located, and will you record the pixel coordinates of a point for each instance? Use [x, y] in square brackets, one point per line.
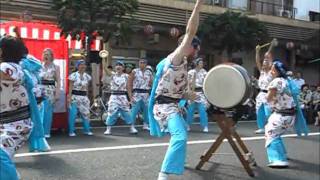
[267, 8]
[222, 3]
[256, 6]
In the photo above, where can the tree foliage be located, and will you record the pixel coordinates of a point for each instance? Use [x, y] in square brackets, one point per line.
[232, 32]
[105, 17]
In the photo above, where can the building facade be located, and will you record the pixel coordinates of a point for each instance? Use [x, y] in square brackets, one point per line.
[290, 21]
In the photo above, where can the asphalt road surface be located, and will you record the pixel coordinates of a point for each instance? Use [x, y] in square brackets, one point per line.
[138, 157]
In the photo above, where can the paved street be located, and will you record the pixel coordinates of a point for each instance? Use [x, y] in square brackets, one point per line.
[138, 157]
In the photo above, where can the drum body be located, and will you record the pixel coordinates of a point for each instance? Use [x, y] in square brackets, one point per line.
[227, 86]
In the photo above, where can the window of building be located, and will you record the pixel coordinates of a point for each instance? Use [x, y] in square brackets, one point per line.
[314, 16]
[238, 4]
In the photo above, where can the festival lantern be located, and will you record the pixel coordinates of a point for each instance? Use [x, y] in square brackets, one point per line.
[174, 32]
[95, 34]
[148, 29]
[290, 45]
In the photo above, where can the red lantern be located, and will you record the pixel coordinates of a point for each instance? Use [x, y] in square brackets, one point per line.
[290, 45]
[95, 34]
[82, 36]
[174, 32]
[149, 29]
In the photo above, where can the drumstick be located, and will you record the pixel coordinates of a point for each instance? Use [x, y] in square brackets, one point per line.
[265, 45]
[272, 43]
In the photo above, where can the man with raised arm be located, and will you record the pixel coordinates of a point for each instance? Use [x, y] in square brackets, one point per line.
[169, 87]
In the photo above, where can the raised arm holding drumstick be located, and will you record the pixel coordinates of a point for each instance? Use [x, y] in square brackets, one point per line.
[262, 108]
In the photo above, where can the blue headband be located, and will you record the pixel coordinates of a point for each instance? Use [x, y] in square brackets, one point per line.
[121, 63]
[280, 68]
[198, 61]
[79, 62]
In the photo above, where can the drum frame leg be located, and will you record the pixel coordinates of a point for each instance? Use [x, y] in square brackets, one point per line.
[238, 146]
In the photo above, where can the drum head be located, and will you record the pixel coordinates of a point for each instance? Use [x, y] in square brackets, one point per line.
[225, 86]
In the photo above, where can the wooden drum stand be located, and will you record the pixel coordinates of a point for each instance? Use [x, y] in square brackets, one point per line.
[227, 126]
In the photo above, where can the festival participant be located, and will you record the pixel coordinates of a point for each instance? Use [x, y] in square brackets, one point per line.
[169, 87]
[79, 102]
[119, 99]
[316, 105]
[15, 121]
[50, 82]
[283, 98]
[140, 80]
[262, 107]
[305, 99]
[196, 78]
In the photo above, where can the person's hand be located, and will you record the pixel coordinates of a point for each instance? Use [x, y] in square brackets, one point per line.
[69, 99]
[131, 102]
[57, 96]
[274, 42]
[258, 47]
[190, 95]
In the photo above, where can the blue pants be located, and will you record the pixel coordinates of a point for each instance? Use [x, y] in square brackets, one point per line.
[112, 119]
[276, 151]
[7, 168]
[47, 113]
[263, 114]
[174, 159]
[202, 112]
[73, 111]
[38, 143]
[140, 106]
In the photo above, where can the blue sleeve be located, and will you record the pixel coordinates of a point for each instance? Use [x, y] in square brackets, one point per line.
[154, 125]
[37, 129]
[300, 123]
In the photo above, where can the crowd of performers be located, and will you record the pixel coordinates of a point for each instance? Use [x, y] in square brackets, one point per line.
[30, 88]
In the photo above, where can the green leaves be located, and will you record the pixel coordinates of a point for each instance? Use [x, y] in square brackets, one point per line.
[232, 31]
[88, 16]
